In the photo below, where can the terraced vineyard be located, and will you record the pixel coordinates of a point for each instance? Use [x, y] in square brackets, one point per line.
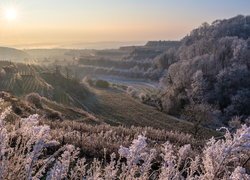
[34, 84]
[21, 79]
[10, 84]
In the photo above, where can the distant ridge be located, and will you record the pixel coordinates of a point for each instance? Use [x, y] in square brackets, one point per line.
[163, 44]
[11, 54]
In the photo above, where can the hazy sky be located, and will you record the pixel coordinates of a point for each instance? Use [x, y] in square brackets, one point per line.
[74, 21]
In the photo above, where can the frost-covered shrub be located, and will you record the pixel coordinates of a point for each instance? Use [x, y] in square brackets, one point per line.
[28, 151]
[93, 139]
[222, 156]
[175, 100]
[88, 80]
[240, 104]
[22, 147]
[132, 91]
[52, 114]
[35, 99]
[2, 73]
[143, 97]
[199, 113]
[235, 123]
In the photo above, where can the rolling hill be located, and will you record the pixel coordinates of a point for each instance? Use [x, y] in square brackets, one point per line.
[11, 54]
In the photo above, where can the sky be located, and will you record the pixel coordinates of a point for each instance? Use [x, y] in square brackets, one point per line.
[27, 23]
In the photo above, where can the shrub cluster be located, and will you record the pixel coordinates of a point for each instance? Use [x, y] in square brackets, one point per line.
[102, 83]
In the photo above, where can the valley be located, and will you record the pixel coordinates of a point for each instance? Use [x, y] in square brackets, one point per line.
[111, 105]
[163, 110]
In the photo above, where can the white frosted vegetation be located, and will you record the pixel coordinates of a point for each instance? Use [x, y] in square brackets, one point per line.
[24, 154]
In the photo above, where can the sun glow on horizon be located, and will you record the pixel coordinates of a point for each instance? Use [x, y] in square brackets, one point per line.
[60, 22]
[10, 14]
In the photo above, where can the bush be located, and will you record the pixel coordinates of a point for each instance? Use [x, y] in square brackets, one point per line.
[143, 97]
[88, 80]
[132, 91]
[53, 115]
[35, 99]
[102, 84]
[200, 115]
[2, 73]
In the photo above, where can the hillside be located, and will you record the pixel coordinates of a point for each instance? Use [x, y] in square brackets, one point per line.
[35, 104]
[142, 62]
[208, 76]
[151, 50]
[11, 54]
[111, 106]
[20, 80]
[116, 107]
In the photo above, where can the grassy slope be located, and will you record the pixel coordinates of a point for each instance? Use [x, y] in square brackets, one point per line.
[23, 108]
[70, 113]
[12, 54]
[118, 108]
[112, 106]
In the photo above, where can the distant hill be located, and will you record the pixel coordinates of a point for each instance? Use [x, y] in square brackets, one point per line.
[162, 44]
[11, 54]
[143, 62]
[151, 50]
